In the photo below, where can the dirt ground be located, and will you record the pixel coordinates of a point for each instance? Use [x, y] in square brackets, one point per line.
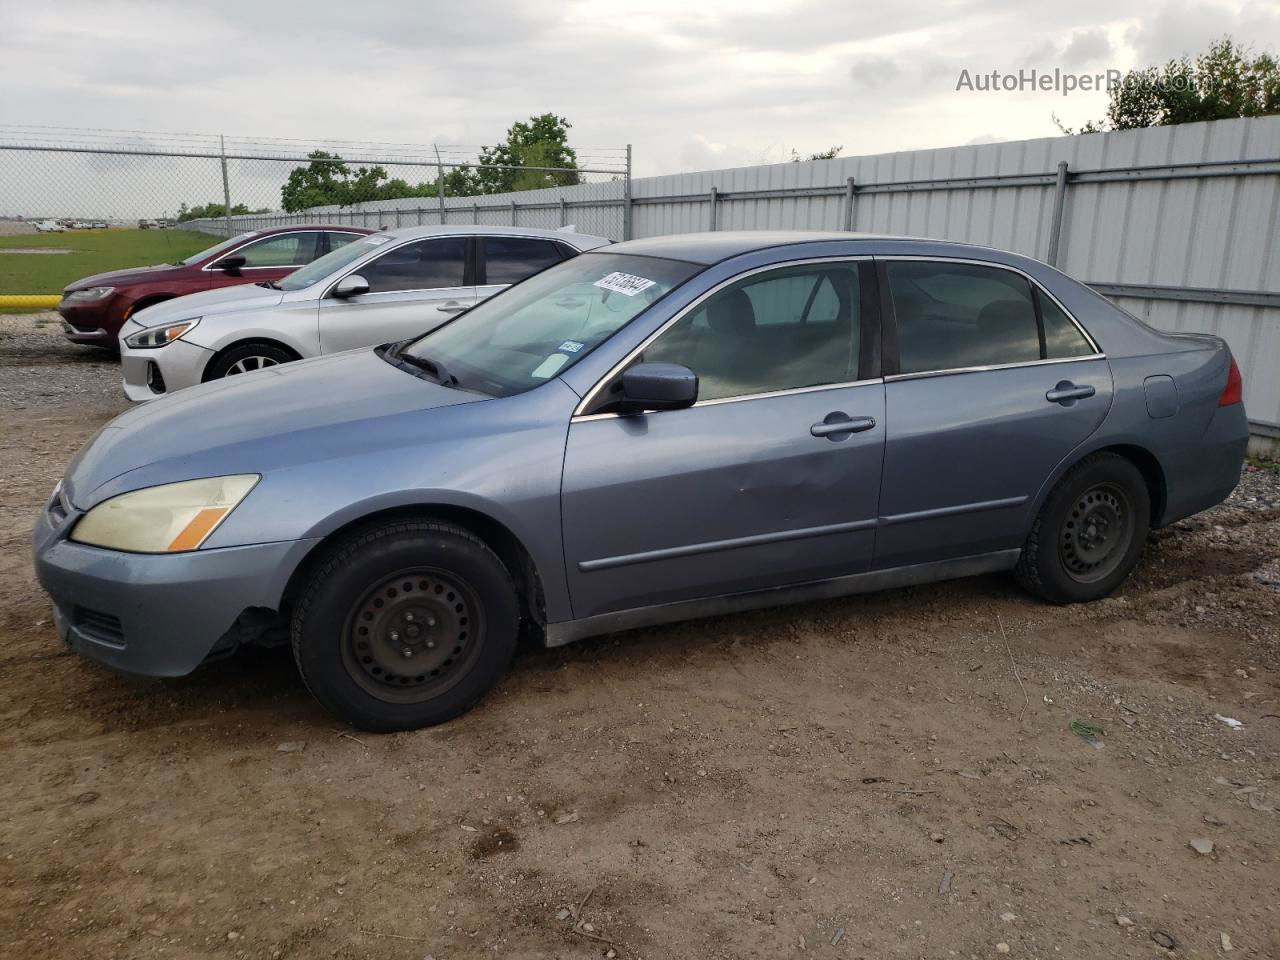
[893, 775]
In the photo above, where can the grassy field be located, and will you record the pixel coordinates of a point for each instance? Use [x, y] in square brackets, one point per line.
[92, 251]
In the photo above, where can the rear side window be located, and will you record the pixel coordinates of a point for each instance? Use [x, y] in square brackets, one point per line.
[511, 259]
[421, 265]
[1062, 338]
[337, 240]
[285, 250]
[953, 315]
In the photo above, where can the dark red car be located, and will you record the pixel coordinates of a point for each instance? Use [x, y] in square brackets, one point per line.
[95, 308]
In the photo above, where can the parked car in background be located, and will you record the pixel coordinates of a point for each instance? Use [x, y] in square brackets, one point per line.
[388, 286]
[662, 429]
[49, 226]
[94, 309]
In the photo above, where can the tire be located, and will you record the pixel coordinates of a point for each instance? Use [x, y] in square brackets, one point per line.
[248, 357]
[1089, 534]
[405, 625]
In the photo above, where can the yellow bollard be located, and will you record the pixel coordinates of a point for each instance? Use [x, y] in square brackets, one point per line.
[33, 302]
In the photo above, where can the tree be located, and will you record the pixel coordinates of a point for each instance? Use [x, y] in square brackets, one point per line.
[542, 142]
[213, 211]
[1223, 82]
[828, 154]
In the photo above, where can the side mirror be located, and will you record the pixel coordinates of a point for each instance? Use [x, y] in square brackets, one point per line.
[657, 386]
[352, 285]
[231, 264]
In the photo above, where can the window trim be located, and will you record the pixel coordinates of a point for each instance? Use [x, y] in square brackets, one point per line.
[208, 267]
[468, 265]
[869, 330]
[890, 320]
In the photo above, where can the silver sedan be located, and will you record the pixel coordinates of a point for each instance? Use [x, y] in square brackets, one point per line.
[384, 287]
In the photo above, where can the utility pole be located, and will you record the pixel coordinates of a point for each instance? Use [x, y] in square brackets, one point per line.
[226, 186]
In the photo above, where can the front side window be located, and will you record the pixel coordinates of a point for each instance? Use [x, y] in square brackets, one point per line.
[422, 265]
[952, 316]
[337, 240]
[533, 332]
[511, 259]
[284, 250]
[782, 330]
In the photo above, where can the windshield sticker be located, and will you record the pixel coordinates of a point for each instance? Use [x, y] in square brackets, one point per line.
[627, 284]
[571, 346]
[375, 240]
[548, 367]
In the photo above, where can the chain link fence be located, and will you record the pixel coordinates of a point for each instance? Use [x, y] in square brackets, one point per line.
[75, 203]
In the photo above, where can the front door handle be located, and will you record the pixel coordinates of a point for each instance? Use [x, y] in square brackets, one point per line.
[839, 425]
[451, 308]
[1067, 393]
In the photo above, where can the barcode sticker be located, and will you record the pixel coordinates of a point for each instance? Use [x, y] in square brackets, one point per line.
[627, 284]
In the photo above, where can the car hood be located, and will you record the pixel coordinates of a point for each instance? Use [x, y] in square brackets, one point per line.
[207, 303]
[121, 278]
[245, 424]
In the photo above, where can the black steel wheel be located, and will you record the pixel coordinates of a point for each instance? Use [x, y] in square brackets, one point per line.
[1089, 533]
[405, 625]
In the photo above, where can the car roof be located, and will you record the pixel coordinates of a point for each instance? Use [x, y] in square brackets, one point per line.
[573, 238]
[341, 227]
[721, 245]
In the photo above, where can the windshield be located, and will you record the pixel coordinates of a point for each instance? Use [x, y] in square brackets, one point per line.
[334, 260]
[540, 328]
[216, 248]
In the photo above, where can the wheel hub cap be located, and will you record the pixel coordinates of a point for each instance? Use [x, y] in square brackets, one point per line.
[1096, 533]
[410, 632]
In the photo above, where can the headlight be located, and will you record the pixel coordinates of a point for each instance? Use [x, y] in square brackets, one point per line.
[88, 295]
[169, 518]
[159, 336]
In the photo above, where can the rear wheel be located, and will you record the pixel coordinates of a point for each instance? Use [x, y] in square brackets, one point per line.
[248, 357]
[405, 625]
[1090, 532]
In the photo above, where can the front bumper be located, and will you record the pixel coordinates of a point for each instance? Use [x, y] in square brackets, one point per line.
[89, 323]
[151, 373]
[155, 615]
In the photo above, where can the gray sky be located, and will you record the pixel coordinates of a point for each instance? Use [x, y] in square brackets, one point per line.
[691, 85]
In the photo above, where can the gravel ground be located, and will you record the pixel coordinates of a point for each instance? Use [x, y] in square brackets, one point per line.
[894, 775]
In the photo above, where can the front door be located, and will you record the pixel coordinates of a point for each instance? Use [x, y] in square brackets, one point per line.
[771, 478]
[995, 385]
[413, 288]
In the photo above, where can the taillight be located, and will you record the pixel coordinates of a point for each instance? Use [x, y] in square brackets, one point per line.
[1235, 386]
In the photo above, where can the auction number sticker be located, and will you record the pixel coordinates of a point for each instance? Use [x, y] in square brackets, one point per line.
[627, 284]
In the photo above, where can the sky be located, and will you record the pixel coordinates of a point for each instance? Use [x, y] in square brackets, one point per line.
[692, 86]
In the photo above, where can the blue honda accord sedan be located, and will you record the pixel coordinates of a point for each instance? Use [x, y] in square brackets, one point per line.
[657, 430]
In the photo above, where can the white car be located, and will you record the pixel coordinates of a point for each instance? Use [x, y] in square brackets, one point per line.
[49, 226]
[381, 288]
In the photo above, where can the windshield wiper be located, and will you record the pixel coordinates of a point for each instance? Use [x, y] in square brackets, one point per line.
[433, 367]
[269, 284]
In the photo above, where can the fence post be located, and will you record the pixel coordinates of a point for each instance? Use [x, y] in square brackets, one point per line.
[849, 187]
[1055, 224]
[513, 213]
[626, 199]
[226, 186]
[564, 215]
[475, 212]
[715, 195]
[440, 183]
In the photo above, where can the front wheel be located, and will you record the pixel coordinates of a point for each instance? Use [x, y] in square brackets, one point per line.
[1089, 534]
[248, 357]
[405, 625]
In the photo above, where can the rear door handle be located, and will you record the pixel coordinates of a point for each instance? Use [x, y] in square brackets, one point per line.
[839, 425]
[451, 308]
[1067, 393]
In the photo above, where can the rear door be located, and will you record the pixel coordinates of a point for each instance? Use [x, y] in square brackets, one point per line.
[989, 385]
[413, 288]
[502, 261]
